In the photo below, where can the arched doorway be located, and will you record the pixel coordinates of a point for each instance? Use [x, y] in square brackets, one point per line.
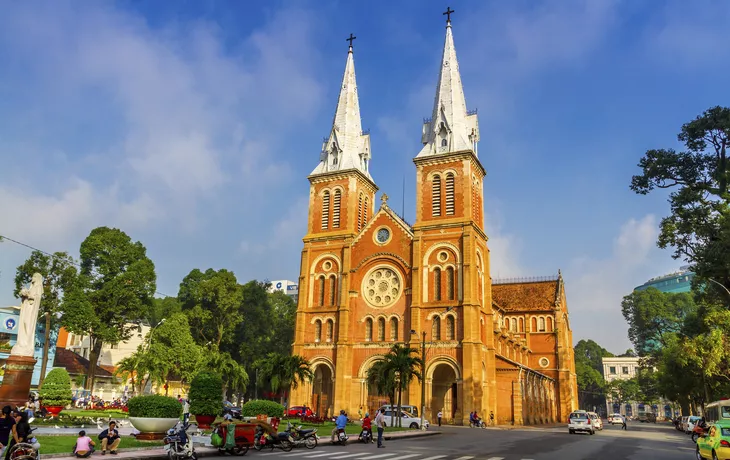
[444, 391]
[371, 400]
[322, 390]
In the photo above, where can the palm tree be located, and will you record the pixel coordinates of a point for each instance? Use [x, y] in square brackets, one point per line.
[396, 371]
[380, 376]
[284, 371]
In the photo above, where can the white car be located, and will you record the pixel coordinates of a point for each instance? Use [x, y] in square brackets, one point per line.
[596, 421]
[407, 420]
[580, 421]
[615, 419]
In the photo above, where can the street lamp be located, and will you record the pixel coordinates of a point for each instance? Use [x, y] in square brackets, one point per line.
[423, 375]
[149, 343]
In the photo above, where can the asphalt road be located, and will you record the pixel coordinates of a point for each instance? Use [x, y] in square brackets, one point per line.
[639, 442]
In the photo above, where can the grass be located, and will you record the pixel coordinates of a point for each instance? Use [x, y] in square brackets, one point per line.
[95, 413]
[66, 443]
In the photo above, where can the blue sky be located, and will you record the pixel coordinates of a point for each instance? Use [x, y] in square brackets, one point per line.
[192, 126]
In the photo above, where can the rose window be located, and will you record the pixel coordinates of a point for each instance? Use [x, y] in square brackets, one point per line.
[382, 287]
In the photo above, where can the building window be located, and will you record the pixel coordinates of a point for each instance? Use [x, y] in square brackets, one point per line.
[317, 331]
[369, 330]
[521, 325]
[325, 209]
[625, 370]
[450, 328]
[450, 194]
[330, 328]
[114, 346]
[450, 283]
[437, 284]
[436, 196]
[359, 213]
[333, 288]
[514, 325]
[365, 212]
[550, 324]
[381, 329]
[436, 328]
[394, 329]
[612, 370]
[320, 300]
[444, 143]
[336, 209]
[541, 324]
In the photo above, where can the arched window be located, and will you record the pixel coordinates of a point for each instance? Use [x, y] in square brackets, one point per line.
[359, 213]
[317, 331]
[394, 329]
[450, 194]
[450, 283]
[325, 210]
[436, 328]
[436, 284]
[330, 327]
[365, 212]
[369, 330]
[444, 143]
[522, 325]
[320, 300]
[533, 324]
[336, 209]
[450, 328]
[381, 329]
[436, 196]
[550, 324]
[333, 289]
[513, 328]
[541, 324]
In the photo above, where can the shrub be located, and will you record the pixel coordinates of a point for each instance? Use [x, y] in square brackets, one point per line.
[206, 394]
[154, 406]
[56, 388]
[261, 407]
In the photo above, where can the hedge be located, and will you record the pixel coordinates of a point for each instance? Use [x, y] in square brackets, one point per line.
[56, 388]
[261, 407]
[206, 394]
[154, 406]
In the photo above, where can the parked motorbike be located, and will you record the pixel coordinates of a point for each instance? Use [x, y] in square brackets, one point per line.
[30, 450]
[341, 437]
[366, 437]
[306, 438]
[698, 431]
[281, 441]
[178, 444]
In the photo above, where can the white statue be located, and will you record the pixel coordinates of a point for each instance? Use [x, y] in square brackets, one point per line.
[31, 302]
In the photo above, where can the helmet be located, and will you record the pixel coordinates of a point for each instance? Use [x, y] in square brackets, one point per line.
[342, 412]
[367, 414]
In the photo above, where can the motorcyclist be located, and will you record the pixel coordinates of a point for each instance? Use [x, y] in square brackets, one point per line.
[340, 424]
[367, 427]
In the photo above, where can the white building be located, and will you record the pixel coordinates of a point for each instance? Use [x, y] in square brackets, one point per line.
[289, 288]
[110, 354]
[625, 369]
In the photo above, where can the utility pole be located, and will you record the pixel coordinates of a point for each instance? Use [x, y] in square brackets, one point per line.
[423, 378]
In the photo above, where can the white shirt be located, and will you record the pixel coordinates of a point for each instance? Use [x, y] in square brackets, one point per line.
[439, 415]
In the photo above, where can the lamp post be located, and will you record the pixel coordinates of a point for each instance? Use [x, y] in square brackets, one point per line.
[149, 343]
[423, 376]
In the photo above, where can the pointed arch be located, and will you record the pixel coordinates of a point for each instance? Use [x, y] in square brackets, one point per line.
[369, 330]
[436, 196]
[394, 329]
[450, 206]
[317, 330]
[437, 284]
[325, 209]
[450, 328]
[381, 329]
[336, 209]
[436, 328]
[450, 283]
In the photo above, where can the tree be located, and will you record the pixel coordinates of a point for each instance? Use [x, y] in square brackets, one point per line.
[211, 301]
[173, 351]
[592, 354]
[383, 379]
[699, 225]
[162, 309]
[233, 374]
[59, 273]
[396, 371]
[284, 371]
[589, 371]
[112, 293]
[621, 391]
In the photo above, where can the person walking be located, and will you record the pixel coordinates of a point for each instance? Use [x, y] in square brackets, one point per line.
[439, 415]
[380, 423]
[491, 418]
[623, 422]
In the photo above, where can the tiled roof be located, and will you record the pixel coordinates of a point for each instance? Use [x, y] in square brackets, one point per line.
[76, 364]
[530, 296]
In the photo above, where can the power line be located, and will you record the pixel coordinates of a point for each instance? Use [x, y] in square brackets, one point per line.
[73, 262]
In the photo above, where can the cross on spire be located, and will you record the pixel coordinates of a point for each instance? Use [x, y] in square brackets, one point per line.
[448, 14]
[352, 37]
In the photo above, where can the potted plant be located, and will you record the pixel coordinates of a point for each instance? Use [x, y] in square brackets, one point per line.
[206, 398]
[153, 415]
[55, 392]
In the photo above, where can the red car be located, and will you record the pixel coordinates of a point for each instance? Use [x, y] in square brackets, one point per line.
[299, 411]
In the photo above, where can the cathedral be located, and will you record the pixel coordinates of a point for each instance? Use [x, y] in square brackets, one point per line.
[370, 280]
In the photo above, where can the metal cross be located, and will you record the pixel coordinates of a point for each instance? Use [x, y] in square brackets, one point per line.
[448, 14]
[352, 37]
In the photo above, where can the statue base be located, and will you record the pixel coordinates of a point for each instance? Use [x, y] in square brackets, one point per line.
[15, 386]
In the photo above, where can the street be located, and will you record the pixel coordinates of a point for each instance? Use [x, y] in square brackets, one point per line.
[457, 443]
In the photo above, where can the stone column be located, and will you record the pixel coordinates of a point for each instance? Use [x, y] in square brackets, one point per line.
[16, 380]
[517, 403]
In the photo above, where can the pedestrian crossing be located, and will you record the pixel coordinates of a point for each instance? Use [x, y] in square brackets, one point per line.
[375, 454]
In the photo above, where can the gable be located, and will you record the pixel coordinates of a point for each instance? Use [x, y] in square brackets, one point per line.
[528, 296]
[398, 242]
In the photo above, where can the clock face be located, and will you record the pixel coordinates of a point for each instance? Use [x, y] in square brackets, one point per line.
[383, 235]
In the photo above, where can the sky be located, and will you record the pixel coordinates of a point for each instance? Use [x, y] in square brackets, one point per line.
[192, 126]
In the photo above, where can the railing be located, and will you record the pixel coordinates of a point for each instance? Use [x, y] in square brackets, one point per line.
[527, 279]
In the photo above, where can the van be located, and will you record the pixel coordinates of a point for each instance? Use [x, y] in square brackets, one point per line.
[413, 410]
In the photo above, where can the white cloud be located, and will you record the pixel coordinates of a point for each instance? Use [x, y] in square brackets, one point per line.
[505, 248]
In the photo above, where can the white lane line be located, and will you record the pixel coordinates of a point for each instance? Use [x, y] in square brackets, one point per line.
[495, 458]
[467, 457]
[370, 457]
[401, 457]
[347, 455]
[318, 455]
[435, 457]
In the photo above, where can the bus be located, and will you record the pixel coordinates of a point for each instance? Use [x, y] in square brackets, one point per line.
[718, 410]
[647, 417]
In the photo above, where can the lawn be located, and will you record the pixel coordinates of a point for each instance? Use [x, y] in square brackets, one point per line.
[65, 444]
[95, 413]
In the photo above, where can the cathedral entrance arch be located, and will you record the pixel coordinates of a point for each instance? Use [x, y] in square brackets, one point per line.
[444, 378]
[323, 387]
[370, 399]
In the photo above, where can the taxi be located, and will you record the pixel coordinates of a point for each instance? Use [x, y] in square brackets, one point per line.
[715, 445]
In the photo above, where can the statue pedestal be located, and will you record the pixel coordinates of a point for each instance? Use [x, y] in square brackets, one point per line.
[15, 387]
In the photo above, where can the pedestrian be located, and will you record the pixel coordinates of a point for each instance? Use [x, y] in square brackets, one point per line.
[84, 446]
[380, 423]
[491, 418]
[186, 411]
[623, 422]
[439, 415]
[6, 426]
[110, 439]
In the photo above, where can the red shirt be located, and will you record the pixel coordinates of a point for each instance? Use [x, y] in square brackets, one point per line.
[366, 423]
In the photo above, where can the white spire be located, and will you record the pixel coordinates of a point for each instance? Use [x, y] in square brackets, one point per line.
[347, 146]
[451, 128]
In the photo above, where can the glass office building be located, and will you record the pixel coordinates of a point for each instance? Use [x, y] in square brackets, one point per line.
[680, 281]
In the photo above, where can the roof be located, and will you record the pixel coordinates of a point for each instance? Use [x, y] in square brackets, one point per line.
[526, 296]
[76, 364]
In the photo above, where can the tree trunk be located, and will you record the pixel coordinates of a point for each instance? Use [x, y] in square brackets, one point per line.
[400, 398]
[94, 353]
[46, 344]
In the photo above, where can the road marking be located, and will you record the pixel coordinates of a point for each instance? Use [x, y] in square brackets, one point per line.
[467, 457]
[369, 457]
[406, 456]
[318, 455]
[434, 458]
[347, 455]
[496, 458]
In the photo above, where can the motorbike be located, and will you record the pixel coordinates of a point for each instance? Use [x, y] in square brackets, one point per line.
[341, 437]
[365, 436]
[30, 450]
[479, 423]
[698, 431]
[306, 438]
[281, 441]
[178, 444]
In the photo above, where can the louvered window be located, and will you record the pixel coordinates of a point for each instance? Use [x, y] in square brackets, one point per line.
[449, 194]
[450, 283]
[365, 212]
[317, 331]
[321, 291]
[325, 210]
[436, 283]
[336, 210]
[394, 329]
[436, 328]
[436, 196]
[330, 329]
[359, 213]
[333, 288]
[450, 328]
[381, 329]
[369, 330]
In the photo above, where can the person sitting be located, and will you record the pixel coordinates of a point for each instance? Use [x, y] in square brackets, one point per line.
[340, 424]
[471, 418]
[367, 427]
[477, 420]
[110, 439]
[84, 446]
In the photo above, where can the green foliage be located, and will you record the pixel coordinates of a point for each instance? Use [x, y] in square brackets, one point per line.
[172, 350]
[56, 388]
[206, 394]
[591, 354]
[232, 373]
[395, 372]
[622, 391]
[283, 371]
[162, 309]
[154, 406]
[261, 407]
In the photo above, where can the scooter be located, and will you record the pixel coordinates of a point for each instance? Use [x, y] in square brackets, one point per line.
[341, 437]
[282, 441]
[366, 436]
[178, 444]
[306, 438]
[30, 450]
